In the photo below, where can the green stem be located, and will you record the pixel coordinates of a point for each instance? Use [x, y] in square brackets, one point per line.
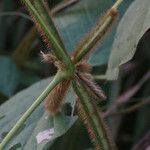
[97, 34]
[47, 29]
[57, 79]
[39, 6]
[92, 40]
[99, 77]
[23, 50]
[116, 5]
[97, 125]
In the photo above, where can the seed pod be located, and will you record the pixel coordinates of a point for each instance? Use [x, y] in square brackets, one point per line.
[94, 37]
[83, 67]
[55, 99]
[92, 87]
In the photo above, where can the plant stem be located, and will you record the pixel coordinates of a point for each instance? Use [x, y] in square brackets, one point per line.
[97, 34]
[43, 12]
[49, 32]
[130, 109]
[96, 124]
[91, 41]
[23, 50]
[57, 79]
[116, 5]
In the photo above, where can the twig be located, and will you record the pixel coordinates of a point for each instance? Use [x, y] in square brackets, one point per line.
[22, 52]
[15, 13]
[131, 108]
[144, 143]
[49, 32]
[63, 5]
[126, 96]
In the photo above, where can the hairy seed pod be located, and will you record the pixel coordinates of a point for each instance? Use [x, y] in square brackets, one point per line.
[55, 99]
[92, 87]
[47, 57]
[96, 36]
[50, 58]
[83, 66]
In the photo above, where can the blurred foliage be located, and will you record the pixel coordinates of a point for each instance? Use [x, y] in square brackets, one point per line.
[37, 122]
[20, 67]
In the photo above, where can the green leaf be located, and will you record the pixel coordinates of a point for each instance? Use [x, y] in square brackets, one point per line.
[133, 25]
[75, 22]
[36, 123]
[9, 76]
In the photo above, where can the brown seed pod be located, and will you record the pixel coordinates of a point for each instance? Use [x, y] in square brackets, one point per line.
[50, 58]
[92, 87]
[83, 66]
[47, 57]
[55, 99]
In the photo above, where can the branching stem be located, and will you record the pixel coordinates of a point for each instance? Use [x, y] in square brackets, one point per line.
[45, 23]
[58, 78]
[97, 34]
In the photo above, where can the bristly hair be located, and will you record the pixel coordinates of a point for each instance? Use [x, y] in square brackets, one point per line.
[50, 22]
[83, 74]
[84, 117]
[50, 58]
[83, 66]
[55, 99]
[92, 87]
[111, 12]
[85, 120]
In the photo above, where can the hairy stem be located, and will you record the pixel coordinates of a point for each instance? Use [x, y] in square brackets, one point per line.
[97, 34]
[57, 79]
[116, 5]
[48, 30]
[23, 50]
[45, 15]
[94, 121]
